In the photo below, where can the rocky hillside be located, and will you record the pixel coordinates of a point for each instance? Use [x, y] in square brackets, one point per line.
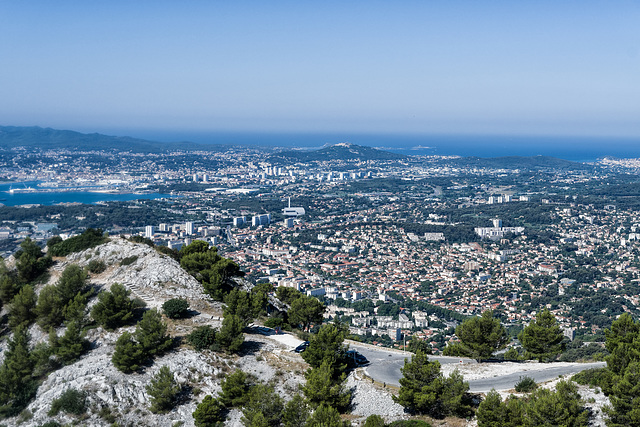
[117, 397]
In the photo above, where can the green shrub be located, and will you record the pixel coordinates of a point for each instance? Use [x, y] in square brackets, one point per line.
[175, 308]
[596, 377]
[88, 239]
[410, 423]
[128, 260]
[526, 384]
[374, 421]
[51, 424]
[96, 266]
[203, 337]
[72, 401]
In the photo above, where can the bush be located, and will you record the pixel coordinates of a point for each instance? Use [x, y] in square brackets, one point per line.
[526, 384]
[374, 421]
[410, 423]
[96, 266]
[128, 260]
[71, 401]
[88, 239]
[203, 337]
[596, 377]
[175, 308]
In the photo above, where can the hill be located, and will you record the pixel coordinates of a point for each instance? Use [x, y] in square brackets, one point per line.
[342, 151]
[518, 162]
[47, 138]
[115, 397]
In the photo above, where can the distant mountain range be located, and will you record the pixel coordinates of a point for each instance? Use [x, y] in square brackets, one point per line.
[34, 136]
[518, 162]
[341, 151]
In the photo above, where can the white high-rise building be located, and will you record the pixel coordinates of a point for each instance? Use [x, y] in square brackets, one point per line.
[149, 231]
[195, 177]
[189, 228]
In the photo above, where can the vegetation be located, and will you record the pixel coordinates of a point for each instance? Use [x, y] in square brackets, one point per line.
[425, 390]
[17, 384]
[525, 385]
[562, 407]
[324, 388]
[203, 337]
[114, 308]
[128, 355]
[163, 391]
[482, 336]
[96, 266]
[31, 261]
[72, 401]
[88, 239]
[22, 308]
[210, 412]
[230, 336]
[212, 270]
[176, 308]
[543, 339]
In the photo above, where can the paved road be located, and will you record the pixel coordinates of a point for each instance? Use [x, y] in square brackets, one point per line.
[385, 367]
[507, 382]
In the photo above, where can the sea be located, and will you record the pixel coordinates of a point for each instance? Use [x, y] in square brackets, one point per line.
[574, 148]
[56, 197]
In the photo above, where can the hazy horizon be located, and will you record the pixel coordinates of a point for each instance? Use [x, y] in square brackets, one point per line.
[500, 68]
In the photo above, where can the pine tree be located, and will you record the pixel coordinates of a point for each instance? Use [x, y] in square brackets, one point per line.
[164, 391]
[322, 387]
[326, 416]
[114, 308]
[483, 335]
[209, 413]
[128, 355]
[543, 339]
[424, 389]
[72, 344]
[296, 412]
[151, 334]
[22, 308]
[17, 385]
[263, 408]
[49, 308]
[230, 336]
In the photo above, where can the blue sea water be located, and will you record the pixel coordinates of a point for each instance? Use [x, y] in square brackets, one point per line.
[582, 149]
[55, 197]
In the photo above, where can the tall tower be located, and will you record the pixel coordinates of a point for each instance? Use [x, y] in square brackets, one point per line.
[189, 227]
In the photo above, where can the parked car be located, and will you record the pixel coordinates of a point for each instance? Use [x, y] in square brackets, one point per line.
[302, 347]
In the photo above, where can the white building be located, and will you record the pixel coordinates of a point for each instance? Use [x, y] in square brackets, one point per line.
[149, 231]
[189, 228]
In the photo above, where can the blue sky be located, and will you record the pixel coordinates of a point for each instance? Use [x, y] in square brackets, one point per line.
[432, 67]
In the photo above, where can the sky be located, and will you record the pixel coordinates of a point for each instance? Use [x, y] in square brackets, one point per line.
[415, 67]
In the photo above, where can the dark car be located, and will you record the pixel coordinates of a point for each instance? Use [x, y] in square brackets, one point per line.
[356, 359]
[302, 347]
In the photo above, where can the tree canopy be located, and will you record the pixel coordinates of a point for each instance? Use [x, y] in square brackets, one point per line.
[543, 339]
[482, 336]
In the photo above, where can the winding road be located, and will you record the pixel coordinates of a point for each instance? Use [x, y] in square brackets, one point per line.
[385, 367]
